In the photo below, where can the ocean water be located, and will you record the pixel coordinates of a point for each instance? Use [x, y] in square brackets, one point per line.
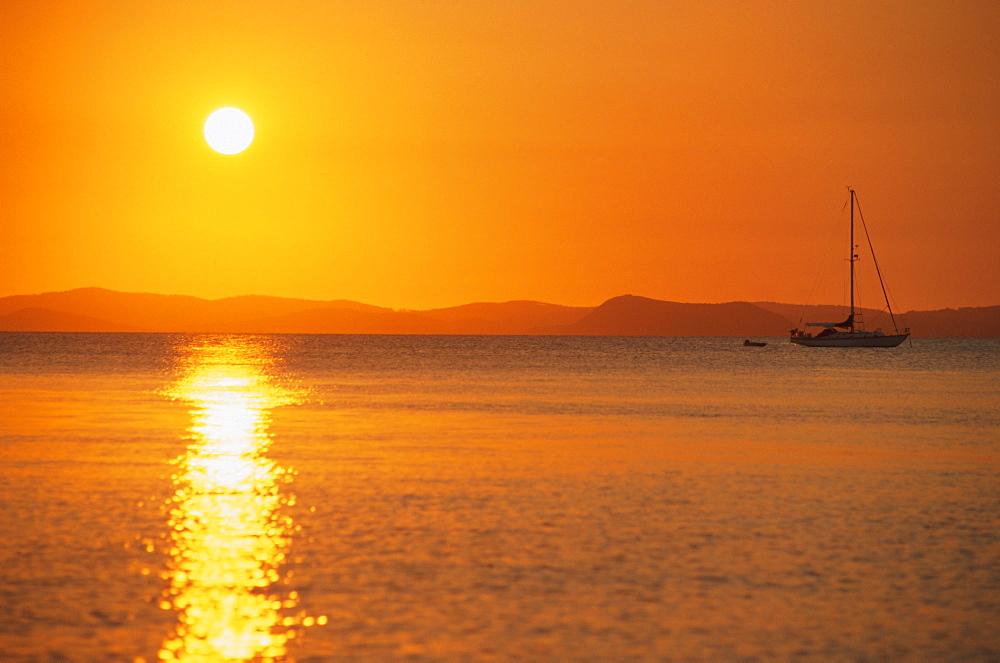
[312, 498]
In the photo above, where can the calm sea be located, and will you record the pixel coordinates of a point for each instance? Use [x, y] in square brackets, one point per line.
[311, 498]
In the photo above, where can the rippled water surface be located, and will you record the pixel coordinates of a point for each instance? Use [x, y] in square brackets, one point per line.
[237, 498]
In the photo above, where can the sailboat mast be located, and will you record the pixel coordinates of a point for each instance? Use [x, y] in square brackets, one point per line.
[853, 258]
[851, 334]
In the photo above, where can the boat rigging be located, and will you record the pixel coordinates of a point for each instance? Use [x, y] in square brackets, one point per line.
[850, 333]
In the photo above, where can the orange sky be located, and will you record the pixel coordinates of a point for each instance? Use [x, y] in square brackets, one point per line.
[419, 154]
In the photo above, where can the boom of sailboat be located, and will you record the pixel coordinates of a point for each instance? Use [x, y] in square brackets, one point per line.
[850, 333]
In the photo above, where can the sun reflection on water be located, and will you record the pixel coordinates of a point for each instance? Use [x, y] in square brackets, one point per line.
[229, 536]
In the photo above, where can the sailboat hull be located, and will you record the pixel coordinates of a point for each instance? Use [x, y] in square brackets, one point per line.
[851, 340]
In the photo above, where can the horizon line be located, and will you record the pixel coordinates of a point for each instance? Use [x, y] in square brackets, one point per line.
[468, 303]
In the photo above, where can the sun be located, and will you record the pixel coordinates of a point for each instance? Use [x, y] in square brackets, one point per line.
[229, 130]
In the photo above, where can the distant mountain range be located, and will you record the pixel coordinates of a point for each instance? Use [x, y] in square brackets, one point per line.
[100, 310]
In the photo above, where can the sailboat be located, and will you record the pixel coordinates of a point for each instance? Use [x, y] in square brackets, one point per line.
[850, 333]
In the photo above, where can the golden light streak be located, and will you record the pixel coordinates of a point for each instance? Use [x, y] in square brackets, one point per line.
[229, 536]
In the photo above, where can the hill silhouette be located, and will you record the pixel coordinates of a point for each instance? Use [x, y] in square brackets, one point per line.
[98, 309]
[515, 317]
[39, 319]
[629, 315]
[335, 320]
[983, 321]
[171, 313]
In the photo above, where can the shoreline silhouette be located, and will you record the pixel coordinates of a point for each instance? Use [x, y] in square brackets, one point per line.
[102, 310]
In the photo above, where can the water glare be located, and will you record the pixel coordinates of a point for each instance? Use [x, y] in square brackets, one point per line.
[228, 535]
[496, 498]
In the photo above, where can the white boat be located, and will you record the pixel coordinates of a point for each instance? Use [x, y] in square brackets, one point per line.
[850, 333]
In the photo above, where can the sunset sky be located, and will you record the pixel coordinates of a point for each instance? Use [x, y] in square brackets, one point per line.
[420, 154]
